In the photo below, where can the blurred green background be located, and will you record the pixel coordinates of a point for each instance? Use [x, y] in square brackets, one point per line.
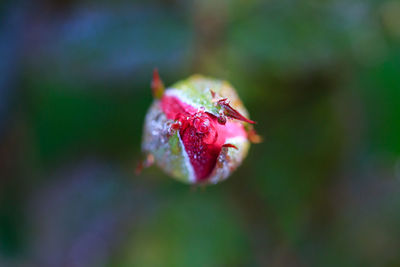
[322, 78]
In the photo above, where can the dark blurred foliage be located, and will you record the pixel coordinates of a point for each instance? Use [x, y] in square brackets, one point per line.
[322, 78]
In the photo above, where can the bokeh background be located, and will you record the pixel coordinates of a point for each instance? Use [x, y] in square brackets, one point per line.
[322, 78]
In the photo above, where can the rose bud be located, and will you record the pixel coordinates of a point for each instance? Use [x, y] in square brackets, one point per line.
[197, 130]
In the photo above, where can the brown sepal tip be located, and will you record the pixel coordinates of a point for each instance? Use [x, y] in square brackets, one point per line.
[144, 163]
[254, 137]
[157, 86]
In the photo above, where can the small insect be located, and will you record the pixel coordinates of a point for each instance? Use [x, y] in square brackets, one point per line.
[197, 130]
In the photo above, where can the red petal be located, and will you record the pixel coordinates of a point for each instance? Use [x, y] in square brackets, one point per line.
[203, 149]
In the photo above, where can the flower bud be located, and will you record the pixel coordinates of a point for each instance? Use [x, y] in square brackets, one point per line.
[187, 132]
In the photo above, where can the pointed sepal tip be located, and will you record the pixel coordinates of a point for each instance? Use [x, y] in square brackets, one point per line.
[157, 86]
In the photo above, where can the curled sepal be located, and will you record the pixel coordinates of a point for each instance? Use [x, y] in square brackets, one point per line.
[231, 146]
[230, 112]
[157, 86]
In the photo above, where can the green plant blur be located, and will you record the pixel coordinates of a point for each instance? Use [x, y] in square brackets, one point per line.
[321, 78]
